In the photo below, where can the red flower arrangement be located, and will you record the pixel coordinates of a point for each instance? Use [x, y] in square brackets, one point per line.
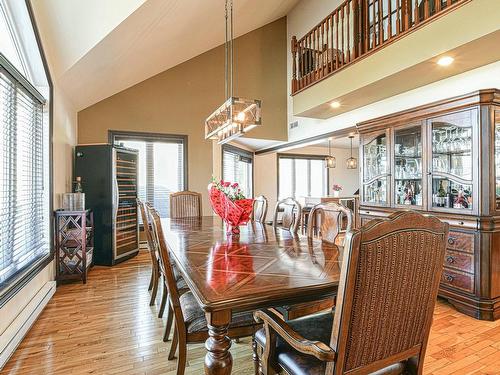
[230, 204]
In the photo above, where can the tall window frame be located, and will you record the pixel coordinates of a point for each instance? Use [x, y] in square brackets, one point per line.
[117, 136]
[30, 76]
[247, 157]
[307, 159]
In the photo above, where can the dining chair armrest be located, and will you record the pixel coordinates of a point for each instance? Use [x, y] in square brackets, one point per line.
[317, 349]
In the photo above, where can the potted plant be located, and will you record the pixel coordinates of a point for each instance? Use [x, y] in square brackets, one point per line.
[336, 190]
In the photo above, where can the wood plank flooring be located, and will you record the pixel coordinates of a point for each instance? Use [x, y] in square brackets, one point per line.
[107, 327]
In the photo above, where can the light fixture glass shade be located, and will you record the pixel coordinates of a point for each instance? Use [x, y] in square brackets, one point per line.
[233, 118]
[330, 162]
[352, 163]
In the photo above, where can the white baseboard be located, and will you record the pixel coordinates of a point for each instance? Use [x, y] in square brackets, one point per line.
[16, 331]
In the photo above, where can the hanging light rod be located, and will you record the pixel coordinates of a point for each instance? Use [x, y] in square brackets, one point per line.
[236, 115]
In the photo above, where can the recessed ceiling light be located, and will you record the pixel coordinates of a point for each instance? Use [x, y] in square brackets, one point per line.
[335, 104]
[445, 60]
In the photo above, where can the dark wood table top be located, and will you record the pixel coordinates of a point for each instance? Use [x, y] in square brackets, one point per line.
[264, 267]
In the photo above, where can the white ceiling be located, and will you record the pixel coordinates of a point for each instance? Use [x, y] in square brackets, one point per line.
[145, 39]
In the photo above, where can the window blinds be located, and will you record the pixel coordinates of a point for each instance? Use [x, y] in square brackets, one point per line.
[24, 178]
[302, 176]
[237, 167]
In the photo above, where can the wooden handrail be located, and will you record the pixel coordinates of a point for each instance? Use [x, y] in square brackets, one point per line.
[355, 29]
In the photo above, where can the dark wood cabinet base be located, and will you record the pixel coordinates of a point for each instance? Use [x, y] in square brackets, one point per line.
[482, 309]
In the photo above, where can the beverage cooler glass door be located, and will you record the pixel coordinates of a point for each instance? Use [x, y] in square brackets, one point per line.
[375, 169]
[454, 159]
[408, 166]
[126, 219]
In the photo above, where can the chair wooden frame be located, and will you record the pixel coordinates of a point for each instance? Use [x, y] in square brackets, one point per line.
[155, 267]
[331, 221]
[181, 335]
[178, 203]
[349, 332]
[259, 209]
[291, 215]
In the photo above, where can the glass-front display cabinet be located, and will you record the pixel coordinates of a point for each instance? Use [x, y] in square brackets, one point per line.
[375, 171]
[443, 159]
[408, 156]
[454, 161]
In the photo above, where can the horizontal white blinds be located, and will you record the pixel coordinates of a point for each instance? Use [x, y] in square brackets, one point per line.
[302, 176]
[237, 167]
[24, 212]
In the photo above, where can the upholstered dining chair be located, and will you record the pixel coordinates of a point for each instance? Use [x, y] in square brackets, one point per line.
[388, 288]
[259, 209]
[290, 219]
[155, 268]
[331, 216]
[189, 319]
[180, 283]
[185, 204]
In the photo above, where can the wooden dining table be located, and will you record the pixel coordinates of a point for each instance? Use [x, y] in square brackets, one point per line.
[262, 267]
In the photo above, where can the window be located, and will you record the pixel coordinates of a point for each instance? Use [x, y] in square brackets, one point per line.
[237, 166]
[162, 165]
[25, 189]
[302, 176]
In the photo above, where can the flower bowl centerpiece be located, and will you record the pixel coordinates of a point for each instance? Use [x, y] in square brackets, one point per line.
[230, 204]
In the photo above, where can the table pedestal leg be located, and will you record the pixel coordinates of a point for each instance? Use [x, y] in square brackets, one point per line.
[218, 359]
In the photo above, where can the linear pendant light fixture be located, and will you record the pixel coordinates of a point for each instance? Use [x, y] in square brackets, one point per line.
[351, 163]
[235, 116]
[330, 161]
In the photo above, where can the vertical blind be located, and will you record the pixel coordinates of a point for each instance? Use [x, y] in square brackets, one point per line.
[24, 178]
[302, 176]
[161, 169]
[237, 166]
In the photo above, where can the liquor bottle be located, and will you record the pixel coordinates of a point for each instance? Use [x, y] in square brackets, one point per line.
[441, 195]
[78, 185]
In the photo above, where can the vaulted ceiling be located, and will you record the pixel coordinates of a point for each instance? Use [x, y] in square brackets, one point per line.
[98, 48]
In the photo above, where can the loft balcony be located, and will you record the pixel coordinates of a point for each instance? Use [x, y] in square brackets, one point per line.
[368, 50]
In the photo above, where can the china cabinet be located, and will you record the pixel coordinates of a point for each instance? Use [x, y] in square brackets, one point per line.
[443, 158]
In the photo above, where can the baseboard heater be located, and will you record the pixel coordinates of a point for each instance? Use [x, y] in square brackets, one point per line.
[16, 331]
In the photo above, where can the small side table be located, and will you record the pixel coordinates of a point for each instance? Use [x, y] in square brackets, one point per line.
[74, 244]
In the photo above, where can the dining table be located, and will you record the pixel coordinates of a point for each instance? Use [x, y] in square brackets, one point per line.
[262, 267]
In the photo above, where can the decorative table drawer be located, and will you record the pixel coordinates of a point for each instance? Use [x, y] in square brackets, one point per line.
[461, 241]
[461, 261]
[458, 280]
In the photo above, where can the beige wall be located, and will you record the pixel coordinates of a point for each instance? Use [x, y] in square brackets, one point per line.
[266, 173]
[178, 100]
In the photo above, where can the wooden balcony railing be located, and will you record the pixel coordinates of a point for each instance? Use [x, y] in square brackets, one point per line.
[354, 30]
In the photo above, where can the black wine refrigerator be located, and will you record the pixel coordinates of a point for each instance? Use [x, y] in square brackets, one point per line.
[109, 181]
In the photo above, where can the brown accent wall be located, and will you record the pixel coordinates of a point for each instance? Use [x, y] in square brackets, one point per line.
[178, 100]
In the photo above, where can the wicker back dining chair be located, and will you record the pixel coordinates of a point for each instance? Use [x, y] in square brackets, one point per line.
[185, 204]
[290, 219]
[388, 288]
[259, 209]
[181, 284]
[189, 319]
[155, 268]
[331, 216]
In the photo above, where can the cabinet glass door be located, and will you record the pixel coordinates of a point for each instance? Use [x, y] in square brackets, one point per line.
[375, 170]
[452, 142]
[497, 159]
[408, 166]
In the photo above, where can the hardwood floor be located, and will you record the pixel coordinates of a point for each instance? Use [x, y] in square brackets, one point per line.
[107, 327]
